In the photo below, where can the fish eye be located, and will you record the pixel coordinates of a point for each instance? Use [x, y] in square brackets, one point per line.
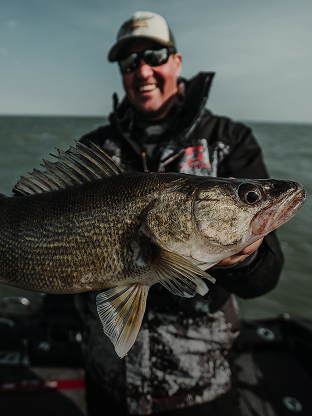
[249, 193]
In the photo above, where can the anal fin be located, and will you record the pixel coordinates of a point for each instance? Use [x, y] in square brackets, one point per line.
[121, 310]
[179, 275]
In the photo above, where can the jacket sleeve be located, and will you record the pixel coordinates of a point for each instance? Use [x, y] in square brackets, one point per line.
[245, 157]
[260, 273]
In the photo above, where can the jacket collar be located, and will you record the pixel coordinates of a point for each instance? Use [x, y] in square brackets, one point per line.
[196, 94]
[197, 91]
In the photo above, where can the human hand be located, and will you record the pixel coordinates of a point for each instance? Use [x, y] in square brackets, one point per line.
[242, 255]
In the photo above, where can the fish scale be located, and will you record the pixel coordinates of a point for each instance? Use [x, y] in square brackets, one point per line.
[35, 238]
[84, 224]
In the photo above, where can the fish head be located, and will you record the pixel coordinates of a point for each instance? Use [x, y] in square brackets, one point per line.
[230, 214]
[285, 198]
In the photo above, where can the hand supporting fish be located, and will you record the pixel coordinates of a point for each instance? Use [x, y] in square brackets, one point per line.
[84, 224]
[242, 255]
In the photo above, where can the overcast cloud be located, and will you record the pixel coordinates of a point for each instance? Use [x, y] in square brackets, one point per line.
[53, 54]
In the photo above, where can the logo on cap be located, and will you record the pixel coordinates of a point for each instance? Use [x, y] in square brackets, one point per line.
[134, 23]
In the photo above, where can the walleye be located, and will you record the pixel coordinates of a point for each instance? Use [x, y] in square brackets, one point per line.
[84, 224]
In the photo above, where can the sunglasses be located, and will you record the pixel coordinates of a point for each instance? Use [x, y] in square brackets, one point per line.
[152, 57]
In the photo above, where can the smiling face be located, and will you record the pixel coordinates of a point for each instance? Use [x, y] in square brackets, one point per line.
[152, 90]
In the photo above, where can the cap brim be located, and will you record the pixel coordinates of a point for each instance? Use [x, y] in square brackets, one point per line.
[116, 49]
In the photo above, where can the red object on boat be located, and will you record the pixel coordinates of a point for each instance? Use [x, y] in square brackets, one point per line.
[39, 385]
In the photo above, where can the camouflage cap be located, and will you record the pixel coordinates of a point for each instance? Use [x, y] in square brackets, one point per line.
[146, 25]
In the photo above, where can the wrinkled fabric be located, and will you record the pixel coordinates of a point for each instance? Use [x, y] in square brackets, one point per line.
[178, 362]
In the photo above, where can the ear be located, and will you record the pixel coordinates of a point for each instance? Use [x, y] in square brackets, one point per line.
[177, 59]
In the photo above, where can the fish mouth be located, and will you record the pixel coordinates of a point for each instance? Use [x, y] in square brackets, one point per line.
[279, 212]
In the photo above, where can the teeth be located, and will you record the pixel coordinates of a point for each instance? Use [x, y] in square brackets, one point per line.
[149, 87]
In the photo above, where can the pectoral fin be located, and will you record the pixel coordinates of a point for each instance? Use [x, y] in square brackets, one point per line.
[121, 310]
[179, 275]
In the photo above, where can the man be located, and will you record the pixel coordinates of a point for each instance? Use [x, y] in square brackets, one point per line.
[178, 364]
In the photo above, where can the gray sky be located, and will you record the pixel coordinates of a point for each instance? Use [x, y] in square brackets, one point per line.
[53, 54]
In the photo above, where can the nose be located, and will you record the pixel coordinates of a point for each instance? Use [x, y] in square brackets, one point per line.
[144, 70]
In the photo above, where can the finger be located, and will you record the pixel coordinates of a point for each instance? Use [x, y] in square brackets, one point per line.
[232, 260]
[242, 255]
[252, 247]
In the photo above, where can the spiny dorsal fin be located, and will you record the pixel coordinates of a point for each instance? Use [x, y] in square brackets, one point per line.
[75, 166]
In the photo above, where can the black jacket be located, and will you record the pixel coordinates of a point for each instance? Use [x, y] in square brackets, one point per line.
[231, 149]
[179, 356]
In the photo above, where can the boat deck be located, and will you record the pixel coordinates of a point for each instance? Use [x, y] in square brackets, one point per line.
[41, 371]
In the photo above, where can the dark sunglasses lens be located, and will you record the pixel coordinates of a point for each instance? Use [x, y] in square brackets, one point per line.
[129, 64]
[150, 56]
[156, 58]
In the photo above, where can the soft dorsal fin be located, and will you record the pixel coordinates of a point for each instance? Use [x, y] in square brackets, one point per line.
[75, 166]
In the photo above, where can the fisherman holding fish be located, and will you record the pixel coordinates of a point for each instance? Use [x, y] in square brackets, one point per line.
[178, 364]
[134, 217]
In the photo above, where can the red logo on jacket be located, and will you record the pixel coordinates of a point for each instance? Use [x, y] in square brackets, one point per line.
[195, 157]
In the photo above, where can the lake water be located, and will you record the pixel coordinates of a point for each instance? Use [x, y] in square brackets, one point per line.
[287, 148]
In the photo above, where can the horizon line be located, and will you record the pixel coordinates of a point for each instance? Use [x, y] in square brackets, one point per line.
[106, 116]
